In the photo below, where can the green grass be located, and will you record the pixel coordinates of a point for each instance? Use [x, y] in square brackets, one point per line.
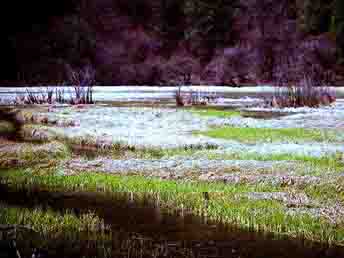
[224, 205]
[46, 221]
[313, 165]
[271, 216]
[329, 192]
[114, 183]
[215, 112]
[250, 135]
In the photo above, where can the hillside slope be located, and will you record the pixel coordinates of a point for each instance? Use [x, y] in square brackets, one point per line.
[159, 42]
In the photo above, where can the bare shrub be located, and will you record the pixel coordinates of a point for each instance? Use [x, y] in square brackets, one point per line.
[195, 98]
[32, 98]
[46, 97]
[82, 81]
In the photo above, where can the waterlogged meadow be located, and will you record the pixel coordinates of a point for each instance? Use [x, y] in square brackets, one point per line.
[102, 169]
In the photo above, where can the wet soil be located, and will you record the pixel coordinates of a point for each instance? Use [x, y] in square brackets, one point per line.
[86, 152]
[143, 228]
[263, 114]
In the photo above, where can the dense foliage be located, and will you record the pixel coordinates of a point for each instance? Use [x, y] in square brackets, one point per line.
[184, 19]
[322, 16]
[118, 36]
[339, 27]
[318, 15]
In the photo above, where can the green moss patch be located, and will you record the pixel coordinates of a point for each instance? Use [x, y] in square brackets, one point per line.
[249, 135]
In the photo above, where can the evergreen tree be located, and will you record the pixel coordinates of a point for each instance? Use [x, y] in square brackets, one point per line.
[318, 14]
[172, 19]
[211, 19]
[339, 28]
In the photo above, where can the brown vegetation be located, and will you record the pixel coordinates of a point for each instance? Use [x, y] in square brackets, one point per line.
[310, 92]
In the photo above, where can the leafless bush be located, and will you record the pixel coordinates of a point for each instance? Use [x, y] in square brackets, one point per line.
[82, 81]
[32, 98]
[46, 97]
[195, 98]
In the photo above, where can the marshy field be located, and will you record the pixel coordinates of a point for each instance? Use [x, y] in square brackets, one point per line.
[134, 175]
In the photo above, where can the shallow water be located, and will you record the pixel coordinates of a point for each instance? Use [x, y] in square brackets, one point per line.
[142, 229]
[149, 93]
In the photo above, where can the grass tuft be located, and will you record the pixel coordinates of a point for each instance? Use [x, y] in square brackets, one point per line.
[46, 221]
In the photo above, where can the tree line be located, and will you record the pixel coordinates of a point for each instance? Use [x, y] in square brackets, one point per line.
[321, 16]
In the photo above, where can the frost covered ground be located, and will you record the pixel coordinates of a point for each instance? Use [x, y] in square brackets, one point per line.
[173, 128]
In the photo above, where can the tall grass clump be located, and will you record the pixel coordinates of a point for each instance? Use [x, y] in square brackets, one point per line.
[47, 221]
[82, 81]
[50, 96]
[309, 93]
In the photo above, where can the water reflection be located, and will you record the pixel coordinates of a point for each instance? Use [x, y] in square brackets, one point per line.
[126, 244]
